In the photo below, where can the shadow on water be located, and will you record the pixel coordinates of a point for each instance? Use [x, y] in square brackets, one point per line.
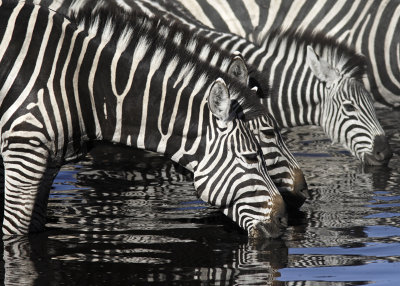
[124, 217]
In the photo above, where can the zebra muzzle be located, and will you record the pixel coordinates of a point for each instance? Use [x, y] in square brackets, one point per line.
[274, 227]
[381, 152]
[296, 197]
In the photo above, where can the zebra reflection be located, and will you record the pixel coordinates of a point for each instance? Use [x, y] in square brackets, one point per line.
[148, 258]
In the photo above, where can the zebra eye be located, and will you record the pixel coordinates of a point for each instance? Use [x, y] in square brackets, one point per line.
[349, 107]
[269, 133]
[250, 158]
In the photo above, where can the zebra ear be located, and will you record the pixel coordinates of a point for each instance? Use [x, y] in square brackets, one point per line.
[320, 67]
[238, 69]
[218, 100]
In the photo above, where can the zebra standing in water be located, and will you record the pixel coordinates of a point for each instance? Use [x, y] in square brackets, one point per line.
[63, 84]
[358, 23]
[315, 80]
[282, 166]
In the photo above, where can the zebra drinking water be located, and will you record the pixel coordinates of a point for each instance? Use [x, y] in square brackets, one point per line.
[315, 80]
[100, 77]
[282, 166]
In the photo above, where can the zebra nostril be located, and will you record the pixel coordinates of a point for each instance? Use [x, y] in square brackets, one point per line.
[305, 192]
[380, 156]
[300, 186]
[283, 221]
[298, 195]
[382, 150]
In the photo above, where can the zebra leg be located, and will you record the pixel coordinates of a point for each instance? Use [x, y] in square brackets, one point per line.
[19, 269]
[28, 175]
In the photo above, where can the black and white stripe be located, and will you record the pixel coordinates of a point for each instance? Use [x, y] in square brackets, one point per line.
[356, 23]
[302, 95]
[282, 166]
[101, 77]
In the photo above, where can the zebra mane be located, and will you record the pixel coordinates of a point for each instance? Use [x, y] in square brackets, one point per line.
[118, 27]
[344, 58]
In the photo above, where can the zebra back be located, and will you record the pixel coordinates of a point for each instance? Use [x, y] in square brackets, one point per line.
[357, 23]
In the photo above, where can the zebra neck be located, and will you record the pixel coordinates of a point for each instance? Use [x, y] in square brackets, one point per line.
[297, 96]
[148, 97]
[151, 107]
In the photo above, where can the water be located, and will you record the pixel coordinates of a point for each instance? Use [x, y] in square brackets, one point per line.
[132, 218]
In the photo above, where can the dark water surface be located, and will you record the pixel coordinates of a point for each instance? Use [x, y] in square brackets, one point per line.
[132, 218]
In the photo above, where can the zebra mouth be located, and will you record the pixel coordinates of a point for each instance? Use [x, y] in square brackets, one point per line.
[295, 195]
[371, 160]
[381, 152]
[271, 230]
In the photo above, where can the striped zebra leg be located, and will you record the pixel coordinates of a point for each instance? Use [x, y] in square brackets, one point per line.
[28, 175]
[19, 269]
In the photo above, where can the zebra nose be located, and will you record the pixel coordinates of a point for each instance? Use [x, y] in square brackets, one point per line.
[295, 199]
[382, 151]
[300, 184]
[276, 226]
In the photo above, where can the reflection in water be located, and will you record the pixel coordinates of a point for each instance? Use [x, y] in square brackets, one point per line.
[91, 259]
[132, 218]
[18, 266]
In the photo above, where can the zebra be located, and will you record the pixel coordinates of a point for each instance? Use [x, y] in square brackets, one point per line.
[63, 83]
[283, 168]
[357, 23]
[297, 66]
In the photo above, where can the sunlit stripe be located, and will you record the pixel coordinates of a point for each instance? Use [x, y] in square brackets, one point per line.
[162, 145]
[38, 64]
[371, 48]
[10, 28]
[12, 75]
[105, 38]
[254, 11]
[154, 65]
[138, 55]
[272, 14]
[312, 14]
[196, 90]
[288, 66]
[76, 80]
[293, 11]
[390, 35]
[194, 6]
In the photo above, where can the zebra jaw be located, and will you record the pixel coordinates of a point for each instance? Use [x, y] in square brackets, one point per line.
[271, 226]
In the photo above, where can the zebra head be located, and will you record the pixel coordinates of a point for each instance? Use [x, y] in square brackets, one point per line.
[348, 114]
[282, 167]
[231, 173]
